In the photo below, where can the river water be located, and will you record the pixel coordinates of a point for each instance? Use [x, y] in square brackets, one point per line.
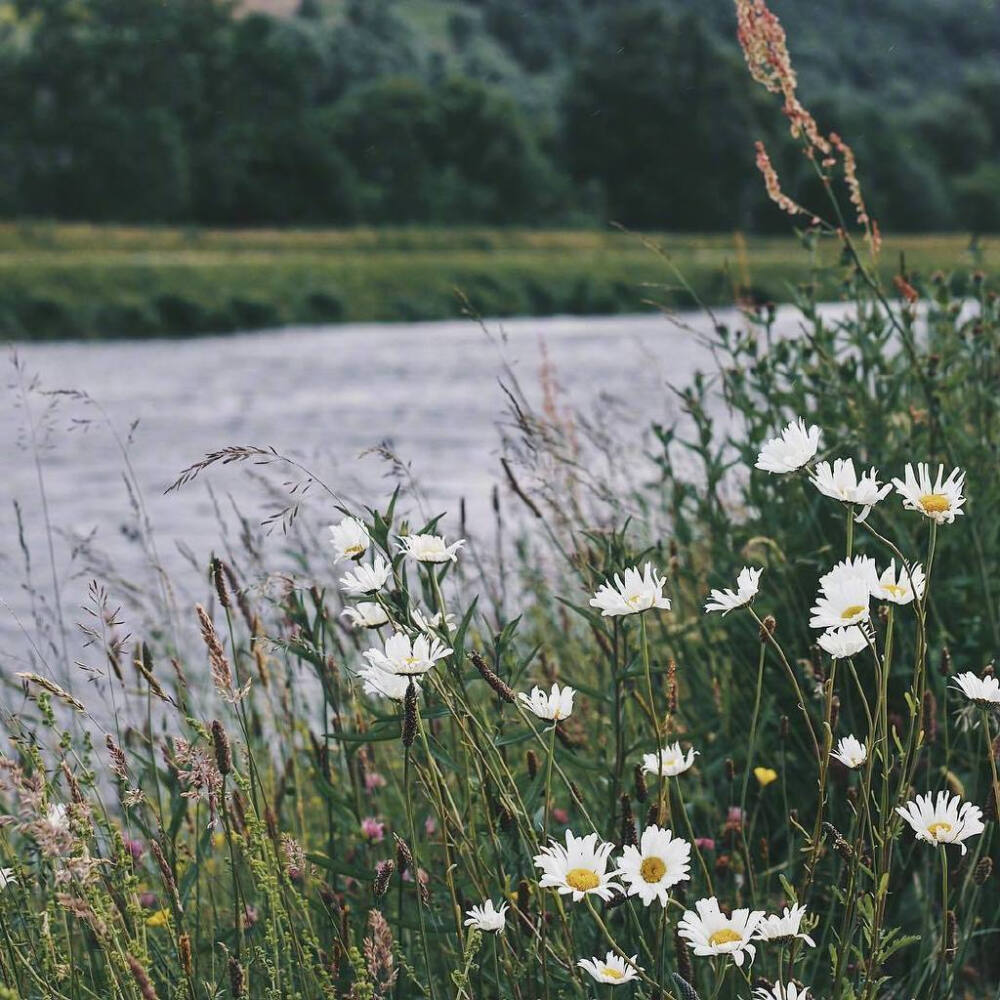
[432, 391]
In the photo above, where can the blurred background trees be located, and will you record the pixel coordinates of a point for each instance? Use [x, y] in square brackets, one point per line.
[547, 112]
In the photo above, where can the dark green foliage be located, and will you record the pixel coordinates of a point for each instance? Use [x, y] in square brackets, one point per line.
[512, 111]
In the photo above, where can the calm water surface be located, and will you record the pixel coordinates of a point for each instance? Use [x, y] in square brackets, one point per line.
[325, 394]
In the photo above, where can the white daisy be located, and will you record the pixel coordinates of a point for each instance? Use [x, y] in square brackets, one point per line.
[7, 877]
[710, 932]
[984, 691]
[367, 579]
[555, 706]
[659, 862]
[430, 548]
[579, 868]
[850, 752]
[407, 657]
[844, 642]
[942, 821]
[486, 918]
[669, 761]
[911, 583]
[637, 592]
[791, 450]
[428, 623]
[939, 499]
[350, 538]
[841, 482]
[858, 571]
[367, 614]
[840, 603]
[747, 584]
[611, 969]
[383, 684]
[780, 992]
[784, 927]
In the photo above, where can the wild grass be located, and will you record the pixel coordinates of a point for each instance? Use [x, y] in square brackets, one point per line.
[66, 280]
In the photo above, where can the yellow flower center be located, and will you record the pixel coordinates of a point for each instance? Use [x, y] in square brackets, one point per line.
[725, 936]
[612, 973]
[410, 660]
[940, 827]
[633, 600]
[652, 870]
[935, 503]
[582, 879]
[354, 550]
[894, 588]
[852, 610]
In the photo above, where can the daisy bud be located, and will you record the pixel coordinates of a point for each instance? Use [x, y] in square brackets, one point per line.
[928, 721]
[219, 580]
[501, 687]
[531, 759]
[404, 858]
[767, 628]
[683, 958]
[223, 751]
[950, 937]
[410, 715]
[641, 791]
[237, 979]
[982, 871]
[628, 823]
[383, 875]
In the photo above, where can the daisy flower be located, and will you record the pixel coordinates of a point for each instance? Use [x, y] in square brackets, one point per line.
[669, 761]
[939, 499]
[747, 584]
[841, 482]
[944, 820]
[486, 918]
[784, 927]
[840, 643]
[7, 877]
[367, 614]
[407, 657]
[579, 868]
[367, 579]
[429, 622]
[553, 707]
[857, 571]
[660, 861]
[911, 583]
[611, 969]
[984, 691]
[350, 539]
[637, 592]
[382, 684]
[842, 601]
[430, 548]
[850, 752]
[780, 992]
[795, 446]
[710, 932]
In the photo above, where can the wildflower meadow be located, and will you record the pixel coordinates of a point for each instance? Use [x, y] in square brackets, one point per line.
[717, 721]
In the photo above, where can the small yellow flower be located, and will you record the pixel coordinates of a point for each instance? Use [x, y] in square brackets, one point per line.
[158, 919]
[765, 775]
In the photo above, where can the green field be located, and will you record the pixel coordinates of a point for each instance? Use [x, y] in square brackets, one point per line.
[71, 281]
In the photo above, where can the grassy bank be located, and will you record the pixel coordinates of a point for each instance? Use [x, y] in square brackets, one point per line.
[68, 281]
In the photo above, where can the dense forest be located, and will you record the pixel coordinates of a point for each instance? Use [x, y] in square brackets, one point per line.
[537, 112]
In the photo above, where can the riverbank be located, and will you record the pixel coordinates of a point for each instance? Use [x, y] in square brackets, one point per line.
[78, 281]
